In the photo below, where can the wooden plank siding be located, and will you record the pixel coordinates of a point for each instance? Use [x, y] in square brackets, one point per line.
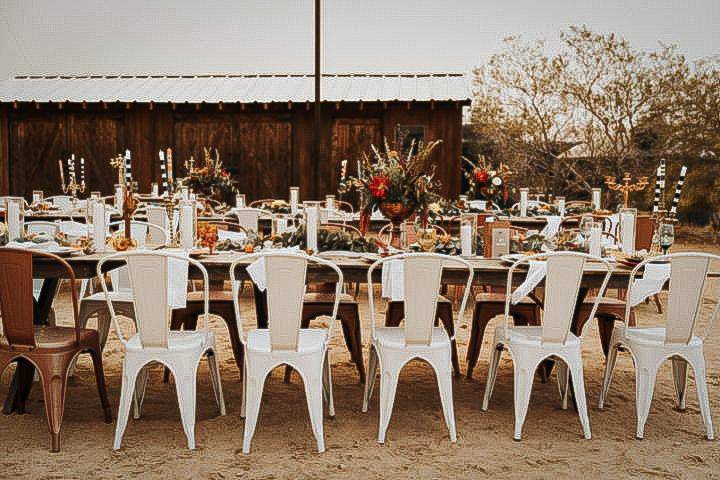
[267, 148]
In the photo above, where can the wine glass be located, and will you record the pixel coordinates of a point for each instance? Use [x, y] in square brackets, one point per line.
[666, 232]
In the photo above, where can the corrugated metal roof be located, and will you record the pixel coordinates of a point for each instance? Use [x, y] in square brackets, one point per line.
[234, 88]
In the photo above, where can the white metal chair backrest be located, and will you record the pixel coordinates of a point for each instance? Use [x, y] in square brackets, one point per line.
[249, 218]
[50, 228]
[157, 215]
[144, 233]
[688, 279]
[149, 280]
[422, 276]
[285, 276]
[63, 202]
[72, 228]
[563, 278]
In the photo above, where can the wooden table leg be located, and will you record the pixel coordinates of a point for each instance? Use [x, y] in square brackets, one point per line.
[22, 380]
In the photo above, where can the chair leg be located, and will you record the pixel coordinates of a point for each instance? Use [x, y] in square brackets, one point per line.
[492, 374]
[679, 368]
[444, 313]
[130, 373]
[350, 321]
[576, 370]
[644, 386]
[388, 386]
[54, 382]
[607, 377]
[139, 395]
[327, 386]
[370, 381]
[563, 379]
[481, 318]
[186, 387]
[445, 381]
[314, 395]
[658, 305]
[253, 396]
[215, 379]
[523, 387]
[698, 365]
[100, 380]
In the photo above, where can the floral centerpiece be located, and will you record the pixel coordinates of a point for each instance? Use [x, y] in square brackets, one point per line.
[486, 182]
[210, 178]
[399, 184]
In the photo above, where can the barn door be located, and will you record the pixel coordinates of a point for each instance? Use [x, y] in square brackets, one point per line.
[35, 146]
[264, 158]
[191, 134]
[96, 139]
[351, 137]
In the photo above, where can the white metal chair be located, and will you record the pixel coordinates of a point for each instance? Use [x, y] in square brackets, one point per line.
[95, 305]
[62, 202]
[392, 347]
[284, 342]
[249, 218]
[650, 347]
[180, 351]
[529, 346]
[49, 228]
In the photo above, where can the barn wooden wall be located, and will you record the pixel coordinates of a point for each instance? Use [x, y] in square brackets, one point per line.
[267, 148]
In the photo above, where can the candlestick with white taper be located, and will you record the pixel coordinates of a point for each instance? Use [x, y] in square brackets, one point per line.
[72, 186]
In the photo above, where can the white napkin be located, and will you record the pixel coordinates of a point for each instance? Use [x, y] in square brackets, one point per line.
[393, 280]
[257, 271]
[51, 246]
[536, 273]
[177, 280]
[74, 229]
[552, 227]
[228, 235]
[478, 204]
[655, 276]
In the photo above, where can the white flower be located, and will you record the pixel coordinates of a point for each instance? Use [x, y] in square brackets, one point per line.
[434, 207]
[497, 181]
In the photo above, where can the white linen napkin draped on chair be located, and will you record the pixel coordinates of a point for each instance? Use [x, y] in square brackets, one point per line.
[552, 227]
[228, 235]
[177, 280]
[393, 280]
[257, 272]
[49, 246]
[651, 283]
[536, 273]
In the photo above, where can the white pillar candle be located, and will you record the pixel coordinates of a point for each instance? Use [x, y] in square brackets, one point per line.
[627, 230]
[187, 234]
[240, 200]
[118, 197]
[523, 202]
[154, 190]
[466, 240]
[13, 220]
[596, 194]
[99, 226]
[561, 206]
[312, 218]
[294, 198]
[330, 202]
[595, 239]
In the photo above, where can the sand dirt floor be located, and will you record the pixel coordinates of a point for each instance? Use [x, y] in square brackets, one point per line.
[417, 443]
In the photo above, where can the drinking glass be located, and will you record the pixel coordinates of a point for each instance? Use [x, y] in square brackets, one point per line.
[666, 232]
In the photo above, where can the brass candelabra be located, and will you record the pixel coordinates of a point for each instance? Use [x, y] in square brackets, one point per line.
[626, 186]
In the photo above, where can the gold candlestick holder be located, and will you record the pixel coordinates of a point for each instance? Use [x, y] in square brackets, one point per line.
[626, 186]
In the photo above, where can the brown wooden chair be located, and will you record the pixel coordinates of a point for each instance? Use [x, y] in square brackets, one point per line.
[49, 349]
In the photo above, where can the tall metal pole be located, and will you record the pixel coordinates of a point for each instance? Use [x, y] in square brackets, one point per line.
[318, 75]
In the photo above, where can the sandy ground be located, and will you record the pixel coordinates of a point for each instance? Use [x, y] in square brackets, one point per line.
[418, 444]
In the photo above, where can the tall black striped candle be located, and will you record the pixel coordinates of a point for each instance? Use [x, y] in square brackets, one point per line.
[163, 172]
[678, 191]
[128, 169]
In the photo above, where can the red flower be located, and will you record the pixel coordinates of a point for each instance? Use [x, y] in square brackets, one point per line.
[378, 186]
[481, 176]
[225, 173]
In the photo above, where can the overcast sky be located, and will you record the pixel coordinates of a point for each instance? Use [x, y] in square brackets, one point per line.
[271, 36]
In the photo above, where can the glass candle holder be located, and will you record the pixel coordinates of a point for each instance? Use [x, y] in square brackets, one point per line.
[240, 200]
[468, 227]
[37, 197]
[294, 199]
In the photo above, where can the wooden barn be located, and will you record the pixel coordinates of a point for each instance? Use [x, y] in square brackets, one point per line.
[262, 125]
